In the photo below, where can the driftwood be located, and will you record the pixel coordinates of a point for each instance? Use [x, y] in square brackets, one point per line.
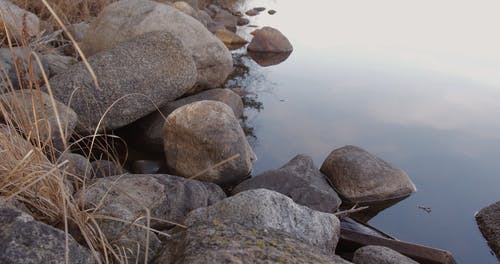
[352, 239]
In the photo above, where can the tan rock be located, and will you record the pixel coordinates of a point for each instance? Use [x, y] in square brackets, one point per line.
[269, 39]
[18, 20]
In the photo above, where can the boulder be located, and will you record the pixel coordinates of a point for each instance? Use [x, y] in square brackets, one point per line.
[133, 79]
[269, 39]
[199, 136]
[150, 128]
[24, 240]
[300, 180]
[227, 19]
[359, 176]
[488, 220]
[267, 209]
[22, 60]
[167, 197]
[18, 21]
[380, 255]
[229, 38]
[78, 165]
[127, 19]
[106, 168]
[234, 243]
[35, 115]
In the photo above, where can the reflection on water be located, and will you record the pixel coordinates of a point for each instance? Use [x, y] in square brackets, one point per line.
[265, 59]
[414, 82]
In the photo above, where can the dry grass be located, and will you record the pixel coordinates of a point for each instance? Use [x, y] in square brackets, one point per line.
[71, 11]
[30, 171]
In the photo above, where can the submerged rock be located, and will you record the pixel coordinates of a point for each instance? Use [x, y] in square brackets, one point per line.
[488, 220]
[229, 38]
[133, 77]
[151, 127]
[24, 240]
[127, 19]
[264, 209]
[380, 255]
[269, 39]
[300, 180]
[359, 176]
[200, 135]
[233, 243]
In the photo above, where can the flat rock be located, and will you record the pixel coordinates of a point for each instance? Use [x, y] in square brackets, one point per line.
[35, 114]
[202, 134]
[300, 180]
[380, 255]
[127, 19]
[269, 39]
[234, 243]
[150, 128]
[359, 176]
[263, 208]
[488, 220]
[20, 22]
[229, 38]
[24, 240]
[132, 80]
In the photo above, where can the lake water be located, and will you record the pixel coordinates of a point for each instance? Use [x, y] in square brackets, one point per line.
[414, 82]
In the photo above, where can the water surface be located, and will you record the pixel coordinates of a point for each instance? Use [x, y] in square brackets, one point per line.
[414, 82]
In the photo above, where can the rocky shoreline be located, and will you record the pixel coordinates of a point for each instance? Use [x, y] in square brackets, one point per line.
[182, 191]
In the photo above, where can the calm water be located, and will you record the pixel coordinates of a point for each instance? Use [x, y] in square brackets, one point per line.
[414, 82]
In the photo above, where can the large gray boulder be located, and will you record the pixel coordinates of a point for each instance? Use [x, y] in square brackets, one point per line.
[380, 255]
[488, 220]
[22, 60]
[199, 136]
[24, 240]
[36, 114]
[263, 208]
[148, 131]
[234, 243]
[300, 180]
[359, 176]
[167, 197]
[133, 77]
[127, 19]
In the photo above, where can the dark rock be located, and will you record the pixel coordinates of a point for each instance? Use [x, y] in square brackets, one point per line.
[267, 209]
[24, 240]
[151, 127]
[269, 39]
[252, 12]
[271, 12]
[300, 180]
[259, 9]
[106, 168]
[380, 255]
[147, 166]
[488, 220]
[242, 21]
[130, 69]
[358, 176]
[200, 135]
[78, 165]
[234, 243]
